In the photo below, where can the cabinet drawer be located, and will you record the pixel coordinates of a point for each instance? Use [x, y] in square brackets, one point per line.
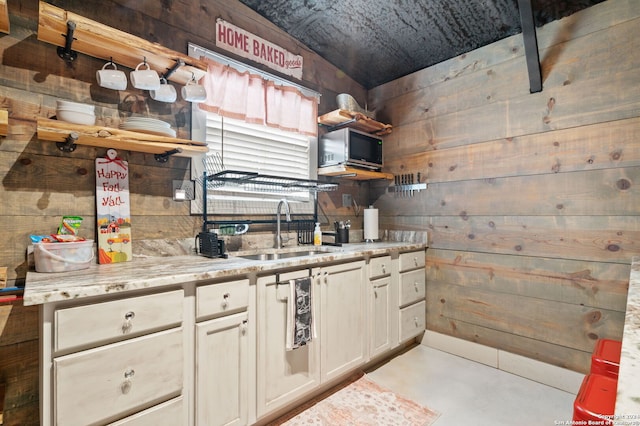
[412, 286]
[216, 299]
[112, 381]
[411, 260]
[170, 413]
[116, 320]
[412, 320]
[379, 266]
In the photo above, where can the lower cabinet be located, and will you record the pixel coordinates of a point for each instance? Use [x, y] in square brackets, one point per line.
[282, 375]
[343, 321]
[382, 293]
[222, 361]
[222, 349]
[115, 360]
[339, 315]
[213, 353]
[412, 291]
[380, 323]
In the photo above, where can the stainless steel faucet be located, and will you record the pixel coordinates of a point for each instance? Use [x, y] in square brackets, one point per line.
[287, 212]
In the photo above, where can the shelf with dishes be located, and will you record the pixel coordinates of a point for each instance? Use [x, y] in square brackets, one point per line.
[150, 141]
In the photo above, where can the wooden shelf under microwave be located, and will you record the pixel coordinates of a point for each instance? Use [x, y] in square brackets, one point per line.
[101, 41]
[352, 173]
[106, 137]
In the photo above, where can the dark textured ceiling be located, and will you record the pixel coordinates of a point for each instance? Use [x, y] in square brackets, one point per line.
[376, 41]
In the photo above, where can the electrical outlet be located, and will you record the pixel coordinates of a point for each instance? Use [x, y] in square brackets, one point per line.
[183, 190]
[347, 200]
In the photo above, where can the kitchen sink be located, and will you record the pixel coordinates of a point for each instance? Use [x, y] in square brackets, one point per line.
[274, 255]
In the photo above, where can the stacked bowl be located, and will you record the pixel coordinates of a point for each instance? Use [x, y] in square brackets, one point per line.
[76, 113]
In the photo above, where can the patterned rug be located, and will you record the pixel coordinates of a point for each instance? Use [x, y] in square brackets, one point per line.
[360, 402]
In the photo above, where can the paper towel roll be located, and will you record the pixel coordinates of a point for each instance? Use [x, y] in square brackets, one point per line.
[370, 224]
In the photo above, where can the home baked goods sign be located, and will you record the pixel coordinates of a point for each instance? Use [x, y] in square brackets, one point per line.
[250, 46]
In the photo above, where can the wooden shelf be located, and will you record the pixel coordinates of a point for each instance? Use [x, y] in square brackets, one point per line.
[356, 120]
[103, 42]
[4, 17]
[352, 173]
[106, 137]
[4, 122]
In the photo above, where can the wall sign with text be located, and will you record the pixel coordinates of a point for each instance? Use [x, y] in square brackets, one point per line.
[250, 46]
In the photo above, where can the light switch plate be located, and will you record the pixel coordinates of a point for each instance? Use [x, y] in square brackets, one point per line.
[184, 190]
[347, 199]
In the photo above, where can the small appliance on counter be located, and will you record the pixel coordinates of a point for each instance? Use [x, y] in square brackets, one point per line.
[208, 244]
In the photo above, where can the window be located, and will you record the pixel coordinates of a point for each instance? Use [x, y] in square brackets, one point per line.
[235, 145]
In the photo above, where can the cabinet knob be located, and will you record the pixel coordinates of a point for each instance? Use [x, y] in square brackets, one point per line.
[417, 322]
[225, 300]
[415, 260]
[125, 387]
[415, 285]
[384, 269]
[244, 326]
[127, 325]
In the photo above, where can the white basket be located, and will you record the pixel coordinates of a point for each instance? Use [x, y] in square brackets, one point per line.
[63, 257]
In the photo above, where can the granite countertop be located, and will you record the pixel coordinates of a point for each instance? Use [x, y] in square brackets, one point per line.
[156, 271]
[627, 410]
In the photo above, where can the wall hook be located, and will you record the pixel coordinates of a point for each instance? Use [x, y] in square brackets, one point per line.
[65, 52]
[164, 157]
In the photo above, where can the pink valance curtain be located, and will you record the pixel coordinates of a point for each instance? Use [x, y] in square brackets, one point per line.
[251, 98]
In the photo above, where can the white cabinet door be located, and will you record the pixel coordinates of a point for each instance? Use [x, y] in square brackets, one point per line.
[343, 326]
[380, 321]
[282, 375]
[221, 371]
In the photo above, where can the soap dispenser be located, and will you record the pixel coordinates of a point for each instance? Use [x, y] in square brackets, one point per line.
[317, 235]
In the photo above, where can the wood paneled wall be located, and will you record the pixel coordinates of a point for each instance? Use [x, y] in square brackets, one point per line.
[41, 184]
[531, 204]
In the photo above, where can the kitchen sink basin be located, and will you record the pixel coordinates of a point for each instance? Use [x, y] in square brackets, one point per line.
[274, 255]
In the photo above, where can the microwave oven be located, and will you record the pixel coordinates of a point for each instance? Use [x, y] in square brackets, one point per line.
[351, 147]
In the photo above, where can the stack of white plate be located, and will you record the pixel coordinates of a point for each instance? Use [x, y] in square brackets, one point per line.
[73, 112]
[148, 125]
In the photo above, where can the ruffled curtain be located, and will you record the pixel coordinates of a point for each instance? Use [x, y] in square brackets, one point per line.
[249, 97]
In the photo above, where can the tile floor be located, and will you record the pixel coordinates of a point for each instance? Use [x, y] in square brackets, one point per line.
[470, 393]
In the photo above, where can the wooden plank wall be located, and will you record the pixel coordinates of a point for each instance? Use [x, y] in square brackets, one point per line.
[531, 203]
[41, 184]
